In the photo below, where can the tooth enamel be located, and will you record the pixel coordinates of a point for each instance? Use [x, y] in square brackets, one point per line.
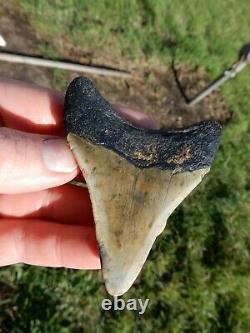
[130, 205]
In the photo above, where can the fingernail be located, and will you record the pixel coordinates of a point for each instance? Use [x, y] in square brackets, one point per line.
[57, 156]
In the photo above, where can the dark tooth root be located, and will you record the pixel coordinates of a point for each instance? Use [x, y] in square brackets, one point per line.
[88, 115]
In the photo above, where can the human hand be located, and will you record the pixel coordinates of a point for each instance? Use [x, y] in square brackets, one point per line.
[43, 220]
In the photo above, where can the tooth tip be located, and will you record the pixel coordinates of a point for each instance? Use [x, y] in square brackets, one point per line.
[116, 290]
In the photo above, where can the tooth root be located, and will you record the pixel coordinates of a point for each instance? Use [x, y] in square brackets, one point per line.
[130, 206]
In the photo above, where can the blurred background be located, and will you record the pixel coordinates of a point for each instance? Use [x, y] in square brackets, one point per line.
[197, 276]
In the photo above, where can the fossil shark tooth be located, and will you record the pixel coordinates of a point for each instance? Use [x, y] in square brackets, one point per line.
[136, 177]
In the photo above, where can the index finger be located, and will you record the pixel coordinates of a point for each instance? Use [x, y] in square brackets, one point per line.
[31, 108]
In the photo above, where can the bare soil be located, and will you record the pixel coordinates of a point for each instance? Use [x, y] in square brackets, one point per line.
[151, 90]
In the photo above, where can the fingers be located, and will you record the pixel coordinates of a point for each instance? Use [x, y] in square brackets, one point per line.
[136, 117]
[32, 162]
[31, 108]
[64, 204]
[36, 109]
[42, 243]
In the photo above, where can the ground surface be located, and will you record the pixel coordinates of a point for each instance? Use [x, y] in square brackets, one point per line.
[198, 274]
[152, 89]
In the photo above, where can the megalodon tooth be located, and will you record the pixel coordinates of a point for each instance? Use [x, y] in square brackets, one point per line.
[136, 177]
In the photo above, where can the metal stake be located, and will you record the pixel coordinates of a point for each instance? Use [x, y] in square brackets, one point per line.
[36, 61]
[243, 61]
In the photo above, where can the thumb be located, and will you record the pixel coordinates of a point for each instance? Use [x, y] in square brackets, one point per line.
[32, 162]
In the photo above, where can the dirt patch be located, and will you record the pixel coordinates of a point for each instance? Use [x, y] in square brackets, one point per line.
[156, 92]
[151, 90]
[21, 37]
[16, 29]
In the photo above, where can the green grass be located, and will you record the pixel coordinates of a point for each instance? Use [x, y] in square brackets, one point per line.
[200, 31]
[198, 274]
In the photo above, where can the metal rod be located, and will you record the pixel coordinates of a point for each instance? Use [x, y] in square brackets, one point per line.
[243, 61]
[2, 41]
[228, 74]
[24, 59]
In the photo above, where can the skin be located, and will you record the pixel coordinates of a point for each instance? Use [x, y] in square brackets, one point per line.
[43, 220]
